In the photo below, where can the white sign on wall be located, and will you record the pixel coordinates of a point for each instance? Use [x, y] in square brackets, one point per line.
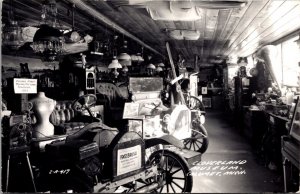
[25, 86]
[204, 90]
[129, 159]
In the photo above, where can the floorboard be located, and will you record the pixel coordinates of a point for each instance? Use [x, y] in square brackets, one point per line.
[229, 165]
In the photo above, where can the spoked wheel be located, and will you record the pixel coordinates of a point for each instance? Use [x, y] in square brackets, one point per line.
[198, 140]
[174, 172]
[195, 104]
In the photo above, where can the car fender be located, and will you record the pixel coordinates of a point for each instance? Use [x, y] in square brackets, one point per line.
[165, 140]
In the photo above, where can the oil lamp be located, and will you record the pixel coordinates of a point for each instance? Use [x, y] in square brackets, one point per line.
[115, 65]
[48, 41]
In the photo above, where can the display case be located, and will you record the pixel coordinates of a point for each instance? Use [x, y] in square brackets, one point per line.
[291, 152]
[255, 126]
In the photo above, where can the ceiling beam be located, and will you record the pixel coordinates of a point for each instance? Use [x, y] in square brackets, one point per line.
[94, 13]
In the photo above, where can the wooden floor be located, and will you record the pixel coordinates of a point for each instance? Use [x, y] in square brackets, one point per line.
[229, 165]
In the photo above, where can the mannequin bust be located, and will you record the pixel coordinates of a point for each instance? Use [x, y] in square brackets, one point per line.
[42, 107]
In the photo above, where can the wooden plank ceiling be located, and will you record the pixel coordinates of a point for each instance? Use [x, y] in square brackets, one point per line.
[223, 32]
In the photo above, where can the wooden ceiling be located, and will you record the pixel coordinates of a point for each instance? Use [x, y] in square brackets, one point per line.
[223, 32]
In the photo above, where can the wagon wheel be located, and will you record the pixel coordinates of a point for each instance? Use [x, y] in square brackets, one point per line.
[84, 102]
[198, 140]
[174, 172]
[195, 104]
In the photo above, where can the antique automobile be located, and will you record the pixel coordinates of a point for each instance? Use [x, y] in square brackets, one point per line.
[97, 158]
[185, 122]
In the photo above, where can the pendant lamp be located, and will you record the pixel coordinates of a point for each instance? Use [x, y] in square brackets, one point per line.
[12, 32]
[139, 58]
[124, 58]
[115, 65]
[48, 41]
[151, 66]
[160, 65]
[134, 58]
[159, 69]
[125, 69]
[72, 36]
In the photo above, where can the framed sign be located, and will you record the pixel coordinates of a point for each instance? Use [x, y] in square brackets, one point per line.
[129, 159]
[204, 90]
[131, 110]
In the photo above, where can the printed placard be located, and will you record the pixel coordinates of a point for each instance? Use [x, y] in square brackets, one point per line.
[129, 159]
[25, 86]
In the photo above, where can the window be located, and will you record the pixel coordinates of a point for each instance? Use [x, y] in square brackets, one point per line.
[290, 57]
[277, 68]
[250, 64]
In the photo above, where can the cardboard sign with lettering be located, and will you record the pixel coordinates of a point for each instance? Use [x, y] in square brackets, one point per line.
[25, 86]
[129, 159]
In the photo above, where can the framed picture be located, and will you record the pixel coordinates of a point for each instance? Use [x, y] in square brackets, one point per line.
[204, 90]
[207, 102]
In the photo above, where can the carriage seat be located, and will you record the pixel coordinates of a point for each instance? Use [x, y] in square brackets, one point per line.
[113, 98]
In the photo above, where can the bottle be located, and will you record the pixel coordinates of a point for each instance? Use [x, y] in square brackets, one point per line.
[66, 112]
[72, 112]
[61, 114]
[57, 109]
[289, 97]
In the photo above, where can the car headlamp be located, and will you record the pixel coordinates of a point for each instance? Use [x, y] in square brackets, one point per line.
[202, 119]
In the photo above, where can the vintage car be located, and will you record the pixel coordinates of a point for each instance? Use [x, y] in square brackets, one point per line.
[98, 158]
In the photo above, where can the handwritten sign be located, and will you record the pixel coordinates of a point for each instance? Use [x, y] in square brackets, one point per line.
[219, 168]
[25, 86]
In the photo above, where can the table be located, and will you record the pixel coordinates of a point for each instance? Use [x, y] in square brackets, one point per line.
[276, 128]
[255, 126]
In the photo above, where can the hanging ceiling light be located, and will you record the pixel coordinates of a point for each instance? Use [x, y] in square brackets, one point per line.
[12, 35]
[114, 64]
[125, 69]
[48, 41]
[124, 58]
[159, 69]
[134, 58]
[139, 57]
[151, 66]
[160, 64]
[12, 32]
[72, 36]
